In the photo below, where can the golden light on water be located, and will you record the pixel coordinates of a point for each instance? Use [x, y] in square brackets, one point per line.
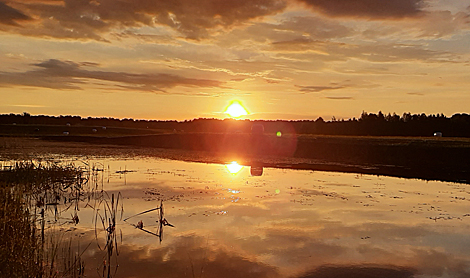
[233, 167]
[235, 109]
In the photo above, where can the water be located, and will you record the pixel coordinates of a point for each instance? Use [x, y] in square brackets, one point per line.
[282, 223]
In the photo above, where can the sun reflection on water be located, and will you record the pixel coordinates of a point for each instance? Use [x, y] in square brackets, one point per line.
[233, 167]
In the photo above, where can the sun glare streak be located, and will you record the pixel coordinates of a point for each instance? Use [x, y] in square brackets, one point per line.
[236, 109]
[233, 167]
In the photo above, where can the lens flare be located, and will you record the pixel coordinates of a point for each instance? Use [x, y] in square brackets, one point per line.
[233, 167]
[236, 109]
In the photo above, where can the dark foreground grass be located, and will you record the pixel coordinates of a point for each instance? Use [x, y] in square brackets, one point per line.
[38, 176]
[22, 239]
[20, 249]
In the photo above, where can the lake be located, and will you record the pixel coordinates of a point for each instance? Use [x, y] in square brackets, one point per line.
[238, 221]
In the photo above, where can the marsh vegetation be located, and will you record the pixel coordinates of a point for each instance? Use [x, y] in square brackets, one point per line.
[29, 192]
[38, 199]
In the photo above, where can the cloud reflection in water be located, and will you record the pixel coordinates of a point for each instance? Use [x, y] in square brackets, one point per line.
[319, 224]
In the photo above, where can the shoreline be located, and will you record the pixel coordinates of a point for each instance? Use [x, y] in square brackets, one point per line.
[414, 158]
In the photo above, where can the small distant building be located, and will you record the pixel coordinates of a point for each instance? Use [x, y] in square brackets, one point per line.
[94, 130]
[103, 128]
[65, 133]
[438, 134]
[67, 124]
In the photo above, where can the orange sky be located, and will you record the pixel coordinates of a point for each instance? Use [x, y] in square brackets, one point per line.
[283, 59]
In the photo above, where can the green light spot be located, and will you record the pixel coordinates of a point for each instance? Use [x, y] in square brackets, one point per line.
[277, 191]
[278, 134]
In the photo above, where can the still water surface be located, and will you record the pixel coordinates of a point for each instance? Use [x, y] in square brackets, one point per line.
[275, 223]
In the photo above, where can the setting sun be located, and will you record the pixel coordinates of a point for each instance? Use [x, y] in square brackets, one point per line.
[236, 109]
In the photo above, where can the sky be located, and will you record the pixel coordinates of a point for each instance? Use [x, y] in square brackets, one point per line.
[186, 59]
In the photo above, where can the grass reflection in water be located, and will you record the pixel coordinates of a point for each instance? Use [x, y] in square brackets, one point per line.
[37, 198]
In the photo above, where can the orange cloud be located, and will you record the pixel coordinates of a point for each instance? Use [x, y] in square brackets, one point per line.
[57, 74]
[383, 9]
[10, 16]
[89, 19]
[317, 89]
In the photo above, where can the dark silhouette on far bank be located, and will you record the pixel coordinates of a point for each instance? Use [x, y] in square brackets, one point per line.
[368, 124]
[405, 146]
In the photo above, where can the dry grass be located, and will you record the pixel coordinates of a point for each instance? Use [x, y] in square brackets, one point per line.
[22, 216]
[20, 251]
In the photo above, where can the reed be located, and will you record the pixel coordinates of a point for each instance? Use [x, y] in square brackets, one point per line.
[28, 191]
[38, 176]
[20, 249]
[108, 210]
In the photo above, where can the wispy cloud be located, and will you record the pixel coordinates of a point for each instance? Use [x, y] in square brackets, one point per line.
[317, 89]
[340, 98]
[57, 74]
[333, 87]
[28, 105]
[367, 51]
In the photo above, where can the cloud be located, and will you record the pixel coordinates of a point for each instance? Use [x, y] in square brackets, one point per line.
[160, 39]
[316, 27]
[186, 255]
[194, 20]
[28, 105]
[372, 9]
[339, 98]
[57, 74]
[307, 49]
[10, 16]
[432, 24]
[332, 87]
[317, 89]
[304, 45]
[276, 36]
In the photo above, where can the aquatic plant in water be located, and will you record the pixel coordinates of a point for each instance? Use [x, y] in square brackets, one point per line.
[30, 193]
[107, 212]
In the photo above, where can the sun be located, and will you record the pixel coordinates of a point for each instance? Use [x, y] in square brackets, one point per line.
[236, 109]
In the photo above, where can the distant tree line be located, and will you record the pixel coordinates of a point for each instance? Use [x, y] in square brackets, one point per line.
[368, 124]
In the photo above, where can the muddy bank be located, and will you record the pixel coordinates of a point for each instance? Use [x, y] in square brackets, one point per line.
[424, 158]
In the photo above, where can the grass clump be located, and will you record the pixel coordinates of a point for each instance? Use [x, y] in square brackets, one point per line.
[22, 214]
[38, 176]
[19, 246]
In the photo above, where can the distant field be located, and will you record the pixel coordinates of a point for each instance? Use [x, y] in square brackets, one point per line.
[80, 130]
[74, 130]
[442, 158]
[444, 142]
[396, 140]
[419, 157]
